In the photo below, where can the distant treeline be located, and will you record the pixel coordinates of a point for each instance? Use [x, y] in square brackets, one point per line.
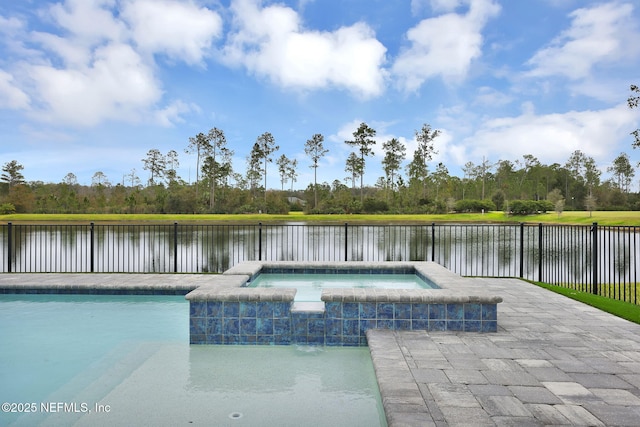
[524, 186]
[507, 186]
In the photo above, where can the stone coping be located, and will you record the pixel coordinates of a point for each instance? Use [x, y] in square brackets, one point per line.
[454, 289]
[101, 283]
[427, 296]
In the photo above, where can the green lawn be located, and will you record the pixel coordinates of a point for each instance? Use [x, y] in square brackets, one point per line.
[621, 309]
[574, 217]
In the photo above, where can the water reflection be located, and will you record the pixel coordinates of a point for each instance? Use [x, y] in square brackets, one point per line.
[564, 252]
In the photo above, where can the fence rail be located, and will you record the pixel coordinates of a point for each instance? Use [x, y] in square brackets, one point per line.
[598, 259]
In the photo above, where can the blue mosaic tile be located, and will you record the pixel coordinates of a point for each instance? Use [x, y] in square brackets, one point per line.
[214, 325]
[265, 339]
[333, 327]
[420, 311]
[299, 326]
[214, 309]
[333, 340]
[197, 326]
[215, 339]
[402, 311]
[455, 325]
[264, 326]
[437, 312]
[472, 325]
[419, 324]
[299, 339]
[197, 339]
[314, 315]
[248, 326]
[316, 340]
[351, 341]
[248, 309]
[282, 327]
[264, 309]
[368, 310]
[351, 327]
[384, 310]
[384, 324]
[248, 339]
[231, 339]
[437, 325]
[281, 309]
[365, 325]
[197, 308]
[489, 326]
[316, 327]
[231, 309]
[472, 311]
[231, 326]
[282, 339]
[402, 325]
[350, 310]
[333, 309]
[489, 312]
[455, 312]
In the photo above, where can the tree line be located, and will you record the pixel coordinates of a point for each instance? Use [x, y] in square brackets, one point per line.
[222, 188]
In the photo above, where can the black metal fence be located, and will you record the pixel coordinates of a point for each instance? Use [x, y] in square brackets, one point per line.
[598, 259]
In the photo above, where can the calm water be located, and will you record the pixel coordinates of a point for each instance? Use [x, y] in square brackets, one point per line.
[470, 250]
[131, 355]
[310, 286]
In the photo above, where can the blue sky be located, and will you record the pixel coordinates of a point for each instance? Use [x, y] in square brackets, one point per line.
[92, 85]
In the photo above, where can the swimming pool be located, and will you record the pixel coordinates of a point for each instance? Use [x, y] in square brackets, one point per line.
[130, 355]
[309, 286]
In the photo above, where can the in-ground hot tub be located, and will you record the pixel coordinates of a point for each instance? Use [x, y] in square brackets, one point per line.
[310, 282]
[227, 311]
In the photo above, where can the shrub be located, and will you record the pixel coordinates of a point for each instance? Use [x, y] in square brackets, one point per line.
[372, 205]
[530, 207]
[474, 206]
[7, 209]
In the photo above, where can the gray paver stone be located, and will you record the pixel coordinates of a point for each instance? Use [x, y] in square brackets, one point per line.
[504, 405]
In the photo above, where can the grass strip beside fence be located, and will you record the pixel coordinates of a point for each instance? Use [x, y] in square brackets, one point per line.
[621, 309]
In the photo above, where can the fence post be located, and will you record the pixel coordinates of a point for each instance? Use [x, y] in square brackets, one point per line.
[540, 252]
[9, 246]
[594, 257]
[91, 246]
[433, 241]
[521, 250]
[259, 241]
[175, 247]
[346, 244]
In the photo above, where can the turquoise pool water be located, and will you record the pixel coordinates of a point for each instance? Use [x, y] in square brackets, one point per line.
[310, 285]
[125, 360]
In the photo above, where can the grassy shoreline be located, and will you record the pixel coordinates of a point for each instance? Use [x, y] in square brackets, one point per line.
[629, 218]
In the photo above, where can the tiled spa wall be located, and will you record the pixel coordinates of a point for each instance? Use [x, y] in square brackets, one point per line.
[339, 324]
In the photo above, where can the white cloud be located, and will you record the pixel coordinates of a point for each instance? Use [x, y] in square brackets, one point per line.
[550, 137]
[181, 30]
[11, 96]
[96, 62]
[271, 42]
[89, 21]
[490, 97]
[173, 112]
[436, 50]
[602, 34]
[117, 84]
